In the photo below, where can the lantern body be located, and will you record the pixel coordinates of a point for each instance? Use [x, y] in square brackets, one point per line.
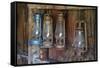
[60, 32]
[47, 31]
[80, 40]
[36, 33]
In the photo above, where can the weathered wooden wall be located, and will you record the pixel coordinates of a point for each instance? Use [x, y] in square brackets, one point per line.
[22, 33]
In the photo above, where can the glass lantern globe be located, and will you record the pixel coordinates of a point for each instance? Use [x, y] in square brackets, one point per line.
[60, 31]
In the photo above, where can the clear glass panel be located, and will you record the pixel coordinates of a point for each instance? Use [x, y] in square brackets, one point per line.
[79, 39]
